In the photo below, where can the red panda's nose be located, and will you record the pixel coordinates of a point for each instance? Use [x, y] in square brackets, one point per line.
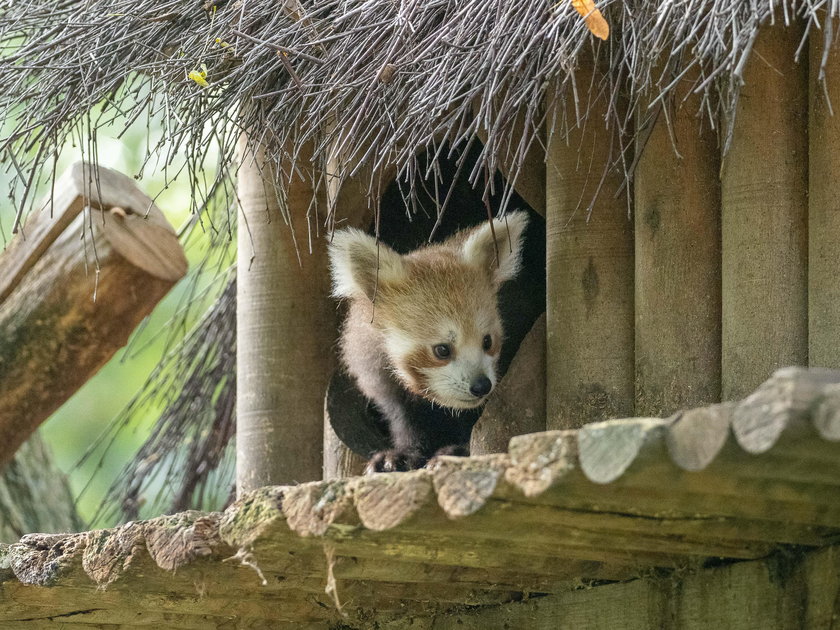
[481, 386]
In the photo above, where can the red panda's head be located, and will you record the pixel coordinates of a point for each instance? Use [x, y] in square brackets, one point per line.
[436, 307]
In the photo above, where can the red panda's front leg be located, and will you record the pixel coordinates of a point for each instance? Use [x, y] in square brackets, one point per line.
[407, 443]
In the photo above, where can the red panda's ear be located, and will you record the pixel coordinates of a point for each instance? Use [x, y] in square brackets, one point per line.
[480, 247]
[359, 264]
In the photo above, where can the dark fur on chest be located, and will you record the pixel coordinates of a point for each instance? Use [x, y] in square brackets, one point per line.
[433, 427]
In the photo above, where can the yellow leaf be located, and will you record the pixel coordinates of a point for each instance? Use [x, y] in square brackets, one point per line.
[595, 22]
[200, 77]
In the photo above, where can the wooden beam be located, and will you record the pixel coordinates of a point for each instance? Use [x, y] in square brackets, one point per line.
[285, 326]
[823, 199]
[764, 200]
[419, 544]
[780, 592]
[677, 210]
[75, 288]
[589, 305]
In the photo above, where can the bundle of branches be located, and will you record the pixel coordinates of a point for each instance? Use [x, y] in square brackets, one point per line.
[370, 81]
[187, 461]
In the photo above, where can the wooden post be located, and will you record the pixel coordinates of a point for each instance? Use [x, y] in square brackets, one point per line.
[73, 288]
[285, 328]
[677, 203]
[764, 200]
[589, 305]
[824, 206]
[339, 460]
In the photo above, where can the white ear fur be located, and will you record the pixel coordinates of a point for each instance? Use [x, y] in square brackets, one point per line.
[359, 264]
[480, 247]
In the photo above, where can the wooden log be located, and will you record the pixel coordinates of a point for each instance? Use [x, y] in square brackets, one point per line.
[823, 201]
[339, 460]
[677, 211]
[589, 305]
[782, 403]
[75, 288]
[696, 436]
[385, 501]
[538, 461]
[764, 200]
[826, 413]
[285, 324]
[517, 405]
[797, 590]
[607, 449]
[34, 494]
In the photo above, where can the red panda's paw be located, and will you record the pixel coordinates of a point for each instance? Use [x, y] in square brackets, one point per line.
[454, 450]
[395, 460]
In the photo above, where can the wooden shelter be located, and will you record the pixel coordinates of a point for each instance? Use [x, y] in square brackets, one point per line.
[684, 168]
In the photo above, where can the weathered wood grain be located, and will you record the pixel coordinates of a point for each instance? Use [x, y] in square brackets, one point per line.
[589, 305]
[781, 592]
[74, 295]
[285, 327]
[540, 460]
[764, 201]
[695, 436]
[607, 449]
[823, 199]
[826, 413]
[677, 301]
[783, 402]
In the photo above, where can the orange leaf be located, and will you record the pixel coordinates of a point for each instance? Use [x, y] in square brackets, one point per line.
[595, 22]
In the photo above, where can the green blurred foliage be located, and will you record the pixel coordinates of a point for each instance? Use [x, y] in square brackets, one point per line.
[78, 424]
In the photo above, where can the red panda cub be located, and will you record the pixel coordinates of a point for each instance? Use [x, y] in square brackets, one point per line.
[423, 332]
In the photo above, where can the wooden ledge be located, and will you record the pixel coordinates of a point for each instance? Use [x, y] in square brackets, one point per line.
[553, 513]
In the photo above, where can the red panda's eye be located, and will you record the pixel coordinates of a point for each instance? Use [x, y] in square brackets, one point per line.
[442, 351]
[487, 343]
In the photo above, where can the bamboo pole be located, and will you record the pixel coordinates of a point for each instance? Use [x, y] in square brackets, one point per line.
[74, 289]
[764, 201]
[677, 201]
[824, 205]
[589, 305]
[285, 329]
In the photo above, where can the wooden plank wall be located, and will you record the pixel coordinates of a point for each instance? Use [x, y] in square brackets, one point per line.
[677, 215]
[589, 267]
[732, 270]
[764, 216]
[824, 206]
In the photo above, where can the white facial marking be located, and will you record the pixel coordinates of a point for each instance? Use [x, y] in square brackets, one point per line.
[449, 385]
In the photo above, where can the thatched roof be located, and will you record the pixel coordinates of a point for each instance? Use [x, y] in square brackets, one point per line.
[371, 80]
[611, 502]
